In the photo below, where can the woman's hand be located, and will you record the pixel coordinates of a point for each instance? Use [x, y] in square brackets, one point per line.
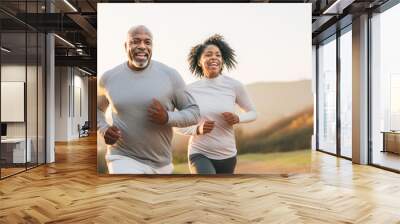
[230, 118]
[205, 127]
[112, 135]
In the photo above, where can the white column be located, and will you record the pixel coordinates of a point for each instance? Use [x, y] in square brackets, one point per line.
[50, 109]
[360, 90]
[50, 92]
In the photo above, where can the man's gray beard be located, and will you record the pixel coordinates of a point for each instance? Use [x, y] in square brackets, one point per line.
[140, 65]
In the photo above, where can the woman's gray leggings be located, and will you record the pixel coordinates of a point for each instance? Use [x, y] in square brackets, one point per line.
[200, 164]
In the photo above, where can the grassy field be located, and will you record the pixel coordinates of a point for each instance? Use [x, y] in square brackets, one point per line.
[266, 163]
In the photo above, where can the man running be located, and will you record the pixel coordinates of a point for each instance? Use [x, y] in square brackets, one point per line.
[143, 95]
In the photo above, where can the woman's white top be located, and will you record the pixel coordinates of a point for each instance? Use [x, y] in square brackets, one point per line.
[214, 97]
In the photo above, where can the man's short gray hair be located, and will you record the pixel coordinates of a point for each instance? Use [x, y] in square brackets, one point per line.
[139, 28]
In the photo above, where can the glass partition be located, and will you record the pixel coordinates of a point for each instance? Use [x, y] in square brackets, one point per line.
[14, 154]
[346, 94]
[327, 96]
[385, 89]
[22, 88]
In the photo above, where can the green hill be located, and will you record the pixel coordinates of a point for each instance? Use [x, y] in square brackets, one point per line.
[288, 134]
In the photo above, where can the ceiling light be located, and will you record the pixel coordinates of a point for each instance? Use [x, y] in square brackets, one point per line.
[84, 71]
[65, 41]
[5, 50]
[338, 6]
[70, 5]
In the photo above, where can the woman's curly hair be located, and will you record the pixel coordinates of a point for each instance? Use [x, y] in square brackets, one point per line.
[227, 53]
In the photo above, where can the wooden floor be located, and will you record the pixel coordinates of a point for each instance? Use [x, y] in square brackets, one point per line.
[387, 159]
[70, 191]
[10, 171]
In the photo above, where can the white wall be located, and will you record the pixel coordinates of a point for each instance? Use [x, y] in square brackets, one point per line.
[70, 82]
[14, 73]
[80, 89]
[61, 103]
[33, 127]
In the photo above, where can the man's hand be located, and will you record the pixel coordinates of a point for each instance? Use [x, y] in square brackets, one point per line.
[156, 113]
[112, 135]
[230, 118]
[205, 127]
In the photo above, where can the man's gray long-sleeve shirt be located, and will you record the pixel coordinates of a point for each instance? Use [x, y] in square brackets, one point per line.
[130, 93]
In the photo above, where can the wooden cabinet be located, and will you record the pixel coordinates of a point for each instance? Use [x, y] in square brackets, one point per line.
[391, 142]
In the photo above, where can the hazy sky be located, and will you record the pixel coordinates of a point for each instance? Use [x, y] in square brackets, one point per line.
[272, 41]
